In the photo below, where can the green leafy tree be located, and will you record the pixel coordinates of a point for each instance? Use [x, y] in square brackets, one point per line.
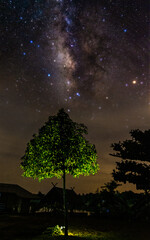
[135, 154]
[58, 149]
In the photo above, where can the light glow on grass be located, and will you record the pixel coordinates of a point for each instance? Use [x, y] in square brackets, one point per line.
[57, 233]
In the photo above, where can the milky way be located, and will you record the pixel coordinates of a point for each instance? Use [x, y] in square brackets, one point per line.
[90, 57]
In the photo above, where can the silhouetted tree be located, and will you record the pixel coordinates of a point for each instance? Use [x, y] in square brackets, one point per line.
[59, 149]
[111, 186]
[135, 154]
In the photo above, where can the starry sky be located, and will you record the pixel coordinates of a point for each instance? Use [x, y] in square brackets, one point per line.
[90, 57]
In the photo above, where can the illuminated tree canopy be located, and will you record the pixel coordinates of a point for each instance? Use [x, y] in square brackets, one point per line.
[59, 146]
[135, 165]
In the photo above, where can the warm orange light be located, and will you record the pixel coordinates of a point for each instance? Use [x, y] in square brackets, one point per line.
[134, 82]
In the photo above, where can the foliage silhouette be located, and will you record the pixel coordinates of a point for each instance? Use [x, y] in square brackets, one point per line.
[111, 186]
[135, 154]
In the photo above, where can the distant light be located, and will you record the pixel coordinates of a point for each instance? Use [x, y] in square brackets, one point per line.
[78, 94]
[31, 41]
[21, 18]
[70, 97]
[141, 83]
[38, 45]
[126, 84]
[24, 53]
[125, 30]
[48, 74]
[134, 82]
[71, 45]
[68, 110]
[103, 19]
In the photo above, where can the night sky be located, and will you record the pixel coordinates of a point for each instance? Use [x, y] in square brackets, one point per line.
[89, 57]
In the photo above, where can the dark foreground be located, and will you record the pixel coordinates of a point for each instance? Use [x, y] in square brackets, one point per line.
[31, 228]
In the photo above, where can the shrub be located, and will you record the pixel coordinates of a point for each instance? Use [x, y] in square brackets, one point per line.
[53, 231]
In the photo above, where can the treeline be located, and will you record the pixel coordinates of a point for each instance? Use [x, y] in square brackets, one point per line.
[61, 148]
[134, 168]
[111, 203]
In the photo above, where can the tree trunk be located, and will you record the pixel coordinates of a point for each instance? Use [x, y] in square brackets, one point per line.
[65, 205]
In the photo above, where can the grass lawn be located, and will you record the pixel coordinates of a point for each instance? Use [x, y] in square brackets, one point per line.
[85, 235]
[90, 228]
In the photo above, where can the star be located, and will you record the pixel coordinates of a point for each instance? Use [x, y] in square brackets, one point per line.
[134, 82]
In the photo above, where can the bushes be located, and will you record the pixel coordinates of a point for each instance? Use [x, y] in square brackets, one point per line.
[53, 231]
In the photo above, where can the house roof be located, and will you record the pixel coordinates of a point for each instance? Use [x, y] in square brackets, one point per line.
[56, 193]
[16, 189]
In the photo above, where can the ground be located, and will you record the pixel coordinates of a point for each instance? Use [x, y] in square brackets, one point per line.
[80, 227]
